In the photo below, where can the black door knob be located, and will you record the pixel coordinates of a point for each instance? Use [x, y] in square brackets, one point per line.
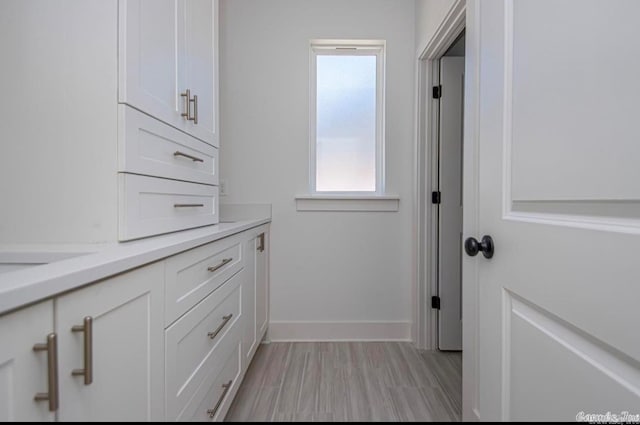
[472, 246]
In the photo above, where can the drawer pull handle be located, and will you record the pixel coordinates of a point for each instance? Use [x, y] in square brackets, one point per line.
[188, 205]
[87, 372]
[51, 347]
[212, 412]
[186, 155]
[261, 245]
[187, 104]
[222, 264]
[225, 320]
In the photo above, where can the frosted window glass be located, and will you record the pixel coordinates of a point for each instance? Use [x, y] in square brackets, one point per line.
[346, 123]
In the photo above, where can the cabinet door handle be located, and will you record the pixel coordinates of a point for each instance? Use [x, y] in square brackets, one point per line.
[212, 412]
[195, 109]
[87, 372]
[187, 104]
[186, 155]
[222, 264]
[261, 245]
[187, 205]
[51, 347]
[225, 320]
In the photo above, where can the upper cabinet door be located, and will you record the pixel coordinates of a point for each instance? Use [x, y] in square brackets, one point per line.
[148, 59]
[198, 68]
[168, 62]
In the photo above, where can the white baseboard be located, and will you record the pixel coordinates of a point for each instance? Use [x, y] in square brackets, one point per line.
[339, 331]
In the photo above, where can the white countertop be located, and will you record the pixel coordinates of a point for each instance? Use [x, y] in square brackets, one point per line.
[26, 286]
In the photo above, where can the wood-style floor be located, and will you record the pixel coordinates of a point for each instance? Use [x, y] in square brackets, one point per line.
[349, 381]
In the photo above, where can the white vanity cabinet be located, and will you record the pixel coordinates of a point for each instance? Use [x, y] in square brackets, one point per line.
[101, 362]
[168, 340]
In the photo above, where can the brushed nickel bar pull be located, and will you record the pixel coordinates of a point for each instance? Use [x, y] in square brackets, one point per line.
[222, 264]
[225, 320]
[195, 109]
[212, 412]
[51, 347]
[87, 372]
[261, 246]
[187, 102]
[191, 157]
[187, 205]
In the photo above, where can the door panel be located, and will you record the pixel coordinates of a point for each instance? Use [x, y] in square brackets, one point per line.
[128, 361]
[199, 41]
[557, 192]
[23, 372]
[148, 61]
[450, 211]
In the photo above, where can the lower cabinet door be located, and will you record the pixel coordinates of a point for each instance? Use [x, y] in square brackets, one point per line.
[262, 285]
[23, 371]
[111, 349]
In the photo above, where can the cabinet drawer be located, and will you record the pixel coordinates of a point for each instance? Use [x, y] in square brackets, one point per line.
[199, 343]
[151, 206]
[190, 276]
[151, 147]
[213, 402]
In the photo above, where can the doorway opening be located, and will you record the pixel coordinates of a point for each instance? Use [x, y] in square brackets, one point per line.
[448, 96]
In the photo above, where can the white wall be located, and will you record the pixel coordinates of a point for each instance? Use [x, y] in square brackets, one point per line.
[344, 267]
[429, 14]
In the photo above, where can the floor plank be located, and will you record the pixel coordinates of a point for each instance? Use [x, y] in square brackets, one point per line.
[349, 382]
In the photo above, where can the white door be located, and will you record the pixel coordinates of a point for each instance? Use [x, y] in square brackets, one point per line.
[559, 189]
[23, 371]
[126, 361]
[148, 59]
[450, 211]
[198, 52]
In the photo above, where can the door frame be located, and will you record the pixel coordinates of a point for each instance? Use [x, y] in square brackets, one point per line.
[462, 15]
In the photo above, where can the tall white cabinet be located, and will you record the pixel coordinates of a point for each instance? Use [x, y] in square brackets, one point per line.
[110, 113]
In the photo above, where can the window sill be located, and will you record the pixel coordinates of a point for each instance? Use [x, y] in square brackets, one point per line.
[362, 203]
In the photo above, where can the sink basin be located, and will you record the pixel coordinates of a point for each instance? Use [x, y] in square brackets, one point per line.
[12, 260]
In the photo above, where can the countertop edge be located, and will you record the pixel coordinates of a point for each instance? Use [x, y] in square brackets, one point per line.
[25, 287]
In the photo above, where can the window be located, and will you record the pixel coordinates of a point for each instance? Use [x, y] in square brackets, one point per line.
[347, 116]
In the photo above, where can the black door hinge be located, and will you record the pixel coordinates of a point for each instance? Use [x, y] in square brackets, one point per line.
[435, 303]
[435, 197]
[437, 92]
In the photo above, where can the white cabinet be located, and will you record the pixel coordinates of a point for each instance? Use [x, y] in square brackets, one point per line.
[168, 62]
[255, 299]
[93, 93]
[170, 340]
[121, 348]
[103, 360]
[262, 283]
[23, 371]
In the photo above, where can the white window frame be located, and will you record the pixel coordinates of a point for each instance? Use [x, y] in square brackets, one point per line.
[348, 48]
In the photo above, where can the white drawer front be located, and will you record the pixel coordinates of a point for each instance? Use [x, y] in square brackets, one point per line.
[212, 403]
[198, 344]
[151, 206]
[151, 147]
[192, 275]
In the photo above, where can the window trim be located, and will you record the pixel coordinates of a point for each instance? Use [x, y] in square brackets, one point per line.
[349, 48]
